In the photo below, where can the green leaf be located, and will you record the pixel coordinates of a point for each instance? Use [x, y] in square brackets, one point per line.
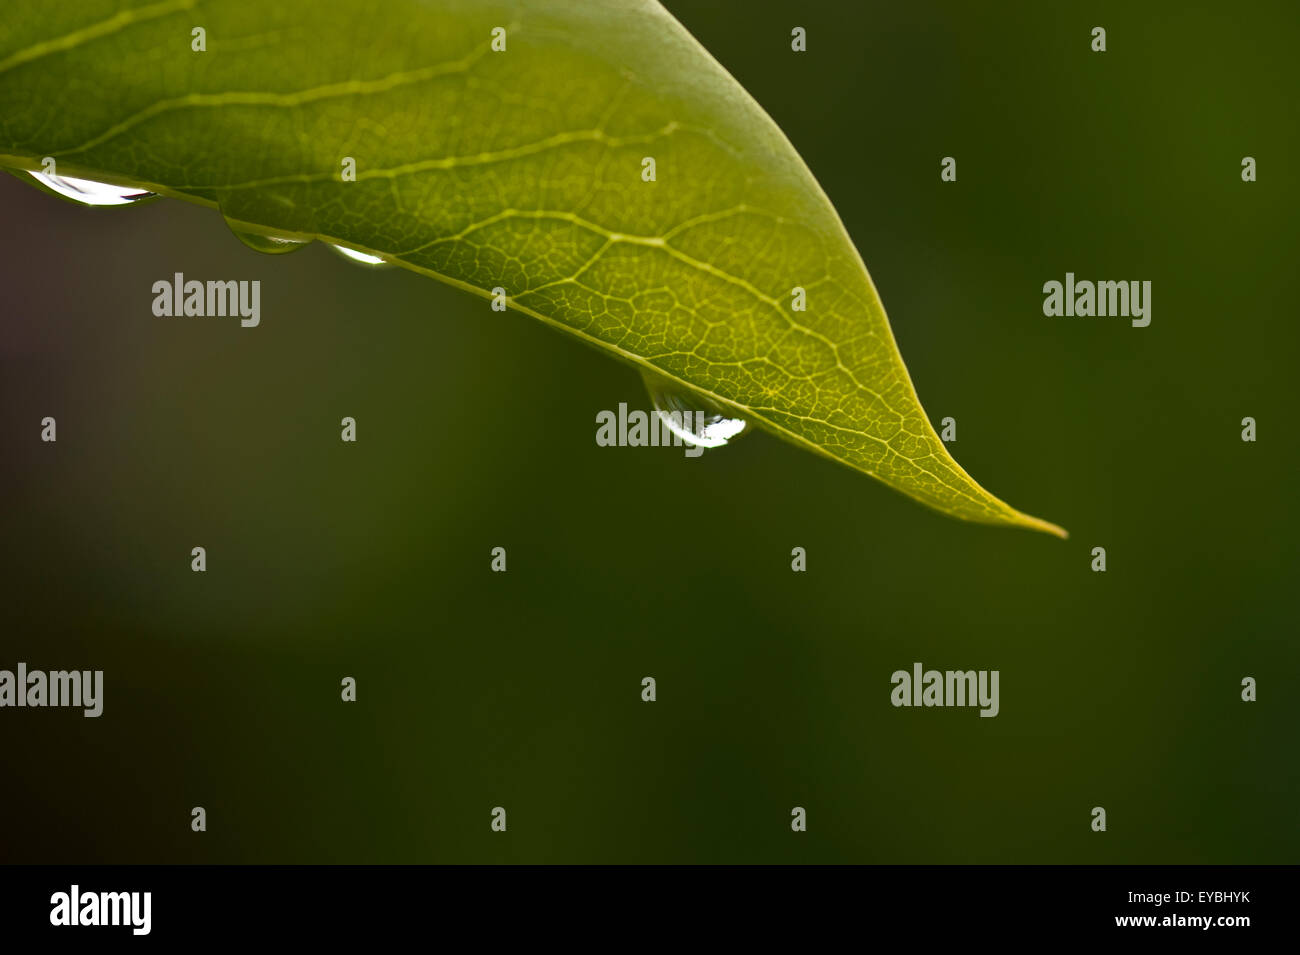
[520, 169]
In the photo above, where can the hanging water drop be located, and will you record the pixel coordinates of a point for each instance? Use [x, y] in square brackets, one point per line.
[692, 417]
[263, 241]
[91, 193]
[361, 258]
[270, 244]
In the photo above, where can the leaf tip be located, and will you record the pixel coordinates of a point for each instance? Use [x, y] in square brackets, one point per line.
[1047, 527]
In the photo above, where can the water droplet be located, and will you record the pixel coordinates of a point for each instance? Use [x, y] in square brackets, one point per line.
[270, 244]
[709, 425]
[362, 258]
[91, 193]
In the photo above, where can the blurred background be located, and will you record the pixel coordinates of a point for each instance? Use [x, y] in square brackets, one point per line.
[476, 429]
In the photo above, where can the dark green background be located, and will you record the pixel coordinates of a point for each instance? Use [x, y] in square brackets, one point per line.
[476, 429]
